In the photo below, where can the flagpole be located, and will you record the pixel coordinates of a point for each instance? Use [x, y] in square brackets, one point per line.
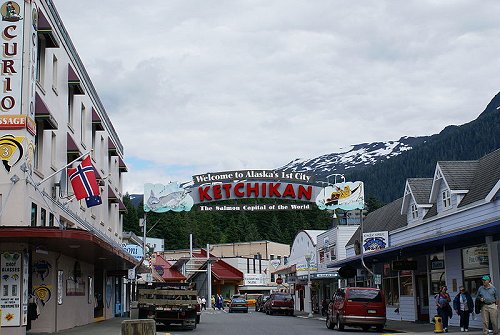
[53, 174]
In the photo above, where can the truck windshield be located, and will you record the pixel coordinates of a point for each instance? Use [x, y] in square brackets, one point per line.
[283, 297]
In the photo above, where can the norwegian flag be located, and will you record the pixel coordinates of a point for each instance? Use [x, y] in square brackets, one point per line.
[84, 183]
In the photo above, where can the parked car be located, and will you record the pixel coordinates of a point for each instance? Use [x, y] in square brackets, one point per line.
[259, 303]
[238, 305]
[279, 303]
[357, 307]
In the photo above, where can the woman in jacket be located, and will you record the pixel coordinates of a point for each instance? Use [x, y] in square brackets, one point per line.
[443, 306]
[463, 306]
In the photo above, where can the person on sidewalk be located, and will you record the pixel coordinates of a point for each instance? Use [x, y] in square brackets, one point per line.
[443, 306]
[489, 310]
[463, 306]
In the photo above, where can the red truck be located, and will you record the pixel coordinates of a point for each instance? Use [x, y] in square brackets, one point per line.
[280, 303]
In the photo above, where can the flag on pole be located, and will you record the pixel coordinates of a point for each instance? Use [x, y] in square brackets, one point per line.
[84, 183]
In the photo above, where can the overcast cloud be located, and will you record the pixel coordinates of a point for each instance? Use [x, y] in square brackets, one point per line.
[195, 86]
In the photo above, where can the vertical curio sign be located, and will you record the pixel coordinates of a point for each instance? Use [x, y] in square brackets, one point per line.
[12, 28]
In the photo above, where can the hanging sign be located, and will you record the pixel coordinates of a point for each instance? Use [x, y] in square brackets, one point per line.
[375, 241]
[252, 184]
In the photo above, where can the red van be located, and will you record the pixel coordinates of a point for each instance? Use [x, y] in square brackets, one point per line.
[357, 307]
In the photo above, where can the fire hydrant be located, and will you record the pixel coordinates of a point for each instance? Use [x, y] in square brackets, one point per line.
[438, 324]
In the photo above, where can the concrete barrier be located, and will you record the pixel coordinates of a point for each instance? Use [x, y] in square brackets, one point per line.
[139, 327]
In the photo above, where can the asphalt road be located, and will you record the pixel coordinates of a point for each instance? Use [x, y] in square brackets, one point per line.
[255, 323]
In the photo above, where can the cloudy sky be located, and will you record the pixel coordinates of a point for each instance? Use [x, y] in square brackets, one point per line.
[195, 86]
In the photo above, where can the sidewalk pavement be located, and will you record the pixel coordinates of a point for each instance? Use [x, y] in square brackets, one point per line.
[402, 327]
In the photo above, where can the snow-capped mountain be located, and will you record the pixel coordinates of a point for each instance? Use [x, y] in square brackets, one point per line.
[356, 156]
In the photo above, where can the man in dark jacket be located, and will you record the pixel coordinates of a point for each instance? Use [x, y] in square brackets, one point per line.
[463, 306]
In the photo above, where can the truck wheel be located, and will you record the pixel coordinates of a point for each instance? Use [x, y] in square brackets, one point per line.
[379, 328]
[340, 325]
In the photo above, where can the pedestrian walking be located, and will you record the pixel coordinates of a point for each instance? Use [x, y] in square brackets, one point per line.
[204, 303]
[463, 306]
[488, 297]
[324, 307]
[443, 306]
[212, 300]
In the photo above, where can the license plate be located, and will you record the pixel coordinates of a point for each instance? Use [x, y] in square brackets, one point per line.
[372, 311]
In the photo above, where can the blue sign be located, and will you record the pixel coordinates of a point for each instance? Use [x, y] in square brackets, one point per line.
[134, 250]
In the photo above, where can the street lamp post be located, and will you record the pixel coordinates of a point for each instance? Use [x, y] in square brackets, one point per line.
[308, 261]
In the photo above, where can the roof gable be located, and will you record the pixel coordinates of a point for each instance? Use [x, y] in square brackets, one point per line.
[418, 190]
[485, 180]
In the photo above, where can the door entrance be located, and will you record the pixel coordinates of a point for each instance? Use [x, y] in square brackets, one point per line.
[422, 298]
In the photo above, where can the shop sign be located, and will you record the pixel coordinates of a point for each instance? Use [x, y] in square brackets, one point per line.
[291, 279]
[135, 250]
[254, 279]
[402, 265]
[375, 241]
[324, 275]
[10, 293]
[437, 265]
[478, 255]
[12, 27]
[275, 263]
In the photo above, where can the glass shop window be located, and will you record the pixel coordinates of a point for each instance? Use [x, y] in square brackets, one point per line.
[475, 264]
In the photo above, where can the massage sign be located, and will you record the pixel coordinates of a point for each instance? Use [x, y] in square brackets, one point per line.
[253, 184]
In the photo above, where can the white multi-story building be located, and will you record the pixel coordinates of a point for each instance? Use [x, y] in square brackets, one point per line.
[56, 253]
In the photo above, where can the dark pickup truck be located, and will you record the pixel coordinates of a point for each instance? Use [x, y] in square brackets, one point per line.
[169, 303]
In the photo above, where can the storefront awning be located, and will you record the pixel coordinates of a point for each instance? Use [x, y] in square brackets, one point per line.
[452, 240]
[96, 120]
[77, 243]
[71, 146]
[121, 165]
[112, 148]
[45, 29]
[42, 113]
[112, 197]
[285, 270]
[74, 81]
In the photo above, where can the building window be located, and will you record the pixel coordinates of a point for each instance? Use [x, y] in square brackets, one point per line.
[83, 125]
[51, 220]
[390, 285]
[34, 210]
[53, 150]
[406, 283]
[333, 255]
[475, 263]
[446, 198]
[40, 61]
[54, 73]
[71, 99]
[37, 159]
[438, 274]
[43, 217]
[414, 211]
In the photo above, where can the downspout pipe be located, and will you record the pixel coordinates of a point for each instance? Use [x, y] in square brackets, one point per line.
[362, 251]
